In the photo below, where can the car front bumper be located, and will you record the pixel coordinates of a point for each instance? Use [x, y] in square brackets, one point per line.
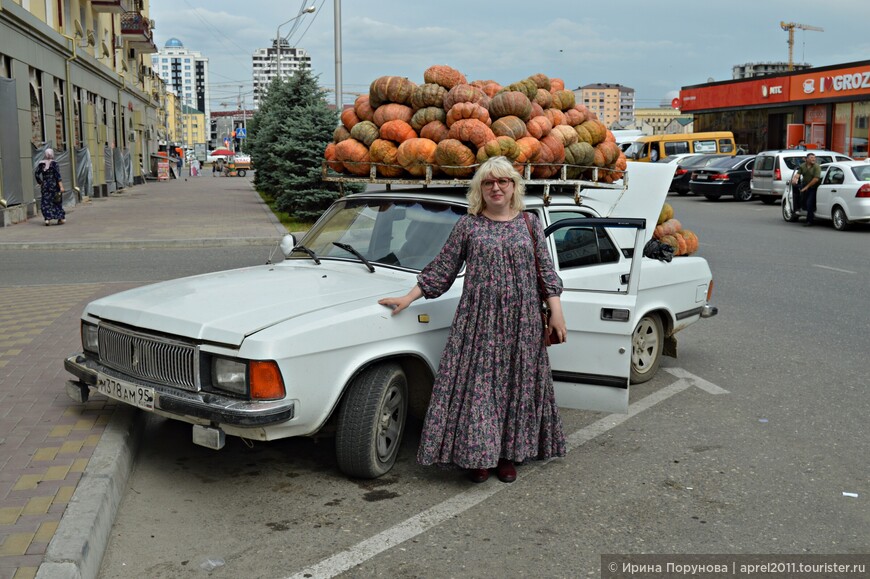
[208, 406]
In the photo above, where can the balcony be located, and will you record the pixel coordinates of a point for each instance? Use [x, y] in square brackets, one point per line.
[114, 6]
[136, 30]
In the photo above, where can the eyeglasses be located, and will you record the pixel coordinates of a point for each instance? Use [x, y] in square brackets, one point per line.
[491, 183]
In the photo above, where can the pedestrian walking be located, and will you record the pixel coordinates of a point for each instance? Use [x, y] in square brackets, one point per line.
[493, 404]
[47, 174]
[807, 179]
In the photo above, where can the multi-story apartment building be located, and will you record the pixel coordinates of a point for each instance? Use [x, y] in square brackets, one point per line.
[613, 103]
[753, 69]
[185, 72]
[76, 76]
[659, 120]
[268, 61]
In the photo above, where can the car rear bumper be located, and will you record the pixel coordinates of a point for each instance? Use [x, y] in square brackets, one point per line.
[184, 404]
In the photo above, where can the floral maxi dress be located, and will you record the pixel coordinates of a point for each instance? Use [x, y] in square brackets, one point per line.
[493, 396]
[49, 180]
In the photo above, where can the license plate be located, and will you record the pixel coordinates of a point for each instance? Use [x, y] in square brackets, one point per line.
[701, 177]
[141, 396]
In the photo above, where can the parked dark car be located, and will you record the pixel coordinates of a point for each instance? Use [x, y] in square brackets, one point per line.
[726, 176]
[685, 166]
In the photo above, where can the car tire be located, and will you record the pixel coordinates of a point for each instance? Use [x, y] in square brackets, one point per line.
[682, 193]
[241, 172]
[712, 196]
[769, 199]
[371, 421]
[647, 342]
[743, 192]
[787, 213]
[841, 222]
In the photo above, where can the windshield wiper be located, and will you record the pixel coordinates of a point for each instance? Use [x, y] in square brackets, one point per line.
[310, 253]
[349, 248]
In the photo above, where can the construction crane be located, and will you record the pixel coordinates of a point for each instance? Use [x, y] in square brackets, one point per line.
[789, 27]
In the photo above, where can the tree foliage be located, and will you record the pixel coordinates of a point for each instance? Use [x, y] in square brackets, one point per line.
[287, 137]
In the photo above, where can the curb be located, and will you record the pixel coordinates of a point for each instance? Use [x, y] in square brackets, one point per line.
[78, 545]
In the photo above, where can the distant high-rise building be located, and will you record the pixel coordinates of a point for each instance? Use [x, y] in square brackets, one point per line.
[266, 63]
[753, 69]
[613, 103]
[185, 72]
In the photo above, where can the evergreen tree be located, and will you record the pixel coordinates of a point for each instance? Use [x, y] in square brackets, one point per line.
[287, 138]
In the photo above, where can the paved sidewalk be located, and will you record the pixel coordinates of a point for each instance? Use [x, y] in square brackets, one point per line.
[63, 465]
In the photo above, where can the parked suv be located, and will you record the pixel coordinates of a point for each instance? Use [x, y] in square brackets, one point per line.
[774, 168]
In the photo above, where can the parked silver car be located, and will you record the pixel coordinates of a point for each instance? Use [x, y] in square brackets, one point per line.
[843, 197]
[773, 168]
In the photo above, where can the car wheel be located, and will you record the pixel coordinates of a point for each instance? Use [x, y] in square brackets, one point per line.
[841, 222]
[647, 342]
[241, 172]
[371, 422]
[682, 193]
[769, 199]
[744, 192]
[712, 196]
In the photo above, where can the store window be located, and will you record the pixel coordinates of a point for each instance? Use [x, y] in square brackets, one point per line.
[860, 130]
[37, 135]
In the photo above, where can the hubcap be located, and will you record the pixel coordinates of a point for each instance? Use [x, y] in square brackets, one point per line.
[389, 423]
[645, 342]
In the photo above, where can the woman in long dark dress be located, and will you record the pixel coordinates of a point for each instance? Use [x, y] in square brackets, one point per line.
[492, 402]
[51, 188]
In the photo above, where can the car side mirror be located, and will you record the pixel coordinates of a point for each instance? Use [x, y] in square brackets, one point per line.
[288, 242]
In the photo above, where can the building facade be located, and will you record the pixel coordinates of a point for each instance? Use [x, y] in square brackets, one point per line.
[267, 62]
[76, 76]
[659, 120]
[753, 69]
[613, 103]
[828, 107]
[185, 72]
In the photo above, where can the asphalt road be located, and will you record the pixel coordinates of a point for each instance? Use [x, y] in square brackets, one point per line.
[744, 444]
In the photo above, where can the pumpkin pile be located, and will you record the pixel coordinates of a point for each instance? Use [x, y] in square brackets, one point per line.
[670, 231]
[453, 125]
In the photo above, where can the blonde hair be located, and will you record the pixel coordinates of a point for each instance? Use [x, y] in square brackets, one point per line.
[496, 167]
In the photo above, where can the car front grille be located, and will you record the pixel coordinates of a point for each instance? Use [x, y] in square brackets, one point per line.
[149, 357]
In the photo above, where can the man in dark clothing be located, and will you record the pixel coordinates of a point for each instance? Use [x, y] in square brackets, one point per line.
[810, 176]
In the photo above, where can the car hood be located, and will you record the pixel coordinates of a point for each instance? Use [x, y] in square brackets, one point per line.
[225, 307]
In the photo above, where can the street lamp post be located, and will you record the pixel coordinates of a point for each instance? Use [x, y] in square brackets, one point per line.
[338, 102]
[308, 10]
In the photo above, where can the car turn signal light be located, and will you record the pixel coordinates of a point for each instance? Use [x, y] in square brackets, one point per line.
[266, 381]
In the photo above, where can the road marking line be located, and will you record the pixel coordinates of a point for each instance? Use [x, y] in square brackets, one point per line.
[834, 268]
[454, 506]
[696, 381]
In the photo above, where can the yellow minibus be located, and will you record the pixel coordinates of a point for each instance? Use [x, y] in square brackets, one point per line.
[651, 148]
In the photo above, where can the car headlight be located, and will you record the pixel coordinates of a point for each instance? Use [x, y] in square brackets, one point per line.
[91, 337]
[259, 379]
[230, 375]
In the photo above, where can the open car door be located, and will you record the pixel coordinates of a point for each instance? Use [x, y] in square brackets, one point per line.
[593, 369]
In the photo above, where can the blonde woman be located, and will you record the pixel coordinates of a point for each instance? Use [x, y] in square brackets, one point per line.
[492, 402]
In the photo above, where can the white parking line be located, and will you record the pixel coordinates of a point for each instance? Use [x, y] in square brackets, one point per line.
[834, 268]
[418, 524]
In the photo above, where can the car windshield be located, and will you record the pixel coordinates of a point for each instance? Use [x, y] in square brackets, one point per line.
[399, 233]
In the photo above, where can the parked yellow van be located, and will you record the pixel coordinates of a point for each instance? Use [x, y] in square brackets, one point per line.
[651, 148]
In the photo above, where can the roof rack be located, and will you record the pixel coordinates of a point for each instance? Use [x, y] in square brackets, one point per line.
[533, 186]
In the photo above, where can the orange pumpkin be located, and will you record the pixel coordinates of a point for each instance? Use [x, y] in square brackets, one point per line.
[434, 131]
[541, 80]
[461, 111]
[329, 155]
[385, 154]
[556, 116]
[354, 156]
[539, 126]
[363, 108]
[454, 158]
[552, 156]
[498, 147]
[537, 111]
[444, 75]
[471, 131]
[510, 126]
[544, 98]
[530, 152]
[564, 133]
[397, 130]
[510, 103]
[489, 87]
[464, 93]
[391, 112]
[339, 134]
[556, 84]
[349, 118]
[390, 89]
[415, 154]
[573, 117]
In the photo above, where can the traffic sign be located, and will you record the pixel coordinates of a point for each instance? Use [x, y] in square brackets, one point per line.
[241, 133]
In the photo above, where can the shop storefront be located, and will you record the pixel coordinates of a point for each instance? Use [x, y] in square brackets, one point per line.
[827, 107]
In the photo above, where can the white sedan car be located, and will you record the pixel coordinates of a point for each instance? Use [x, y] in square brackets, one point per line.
[844, 195]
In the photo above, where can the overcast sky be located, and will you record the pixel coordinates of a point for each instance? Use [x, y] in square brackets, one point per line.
[653, 47]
